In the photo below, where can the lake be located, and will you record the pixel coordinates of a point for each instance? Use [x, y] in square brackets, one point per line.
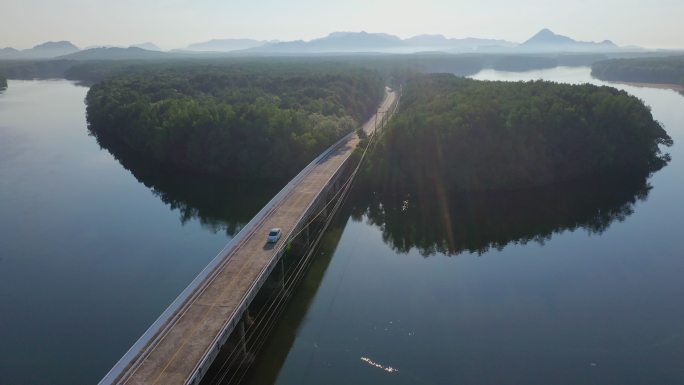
[565, 287]
[91, 254]
[562, 286]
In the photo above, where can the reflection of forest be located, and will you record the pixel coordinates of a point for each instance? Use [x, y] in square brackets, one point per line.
[219, 205]
[476, 222]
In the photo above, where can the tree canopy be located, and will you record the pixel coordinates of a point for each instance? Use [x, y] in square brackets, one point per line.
[666, 70]
[3, 83]
[259, 121]
[455, 134]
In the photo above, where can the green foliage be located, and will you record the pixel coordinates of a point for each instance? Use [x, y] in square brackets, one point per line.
[393, 68]
[3, 83]
[666, 70]
[260, 121]
[463, 135]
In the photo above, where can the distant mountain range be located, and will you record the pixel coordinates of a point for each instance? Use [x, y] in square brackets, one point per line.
[545, 41]
[46, 50]
[224, 45]
[148, 46]
[435, 42]
[346, 42]
[115, 53]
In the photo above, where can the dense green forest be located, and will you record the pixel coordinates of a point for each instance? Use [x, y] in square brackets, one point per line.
[242, 121]
[394, 67]
[3, 83]
[455, 134]
[666, 70]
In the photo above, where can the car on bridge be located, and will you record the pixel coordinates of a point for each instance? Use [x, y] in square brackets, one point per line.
[274, 235]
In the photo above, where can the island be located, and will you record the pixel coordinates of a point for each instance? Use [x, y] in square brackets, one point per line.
[454, 134]
[668, 70]
[255, 121]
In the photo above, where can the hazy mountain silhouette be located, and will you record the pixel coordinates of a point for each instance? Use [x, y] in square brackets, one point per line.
[337, 42]
[115, 53]
[442, 43]
[148, 46]
[45, 50]
[546, 40]
[8, 52]
[224, 45]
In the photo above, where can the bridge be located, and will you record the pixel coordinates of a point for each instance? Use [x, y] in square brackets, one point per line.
[222, 302]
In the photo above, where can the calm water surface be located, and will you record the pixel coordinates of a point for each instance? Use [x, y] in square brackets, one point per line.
[564, 288]
[90, 254]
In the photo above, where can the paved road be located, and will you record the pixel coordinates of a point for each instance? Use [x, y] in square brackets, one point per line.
[171, 358]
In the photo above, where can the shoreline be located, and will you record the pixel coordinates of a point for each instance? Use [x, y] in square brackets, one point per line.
[664, 86]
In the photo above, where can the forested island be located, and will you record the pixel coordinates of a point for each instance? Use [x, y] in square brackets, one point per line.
[262, 121]
[663, 70]
[453, 134]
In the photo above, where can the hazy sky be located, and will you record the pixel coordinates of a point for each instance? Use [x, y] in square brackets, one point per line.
[176, 23]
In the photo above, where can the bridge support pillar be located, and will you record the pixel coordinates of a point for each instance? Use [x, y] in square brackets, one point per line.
[281, 274]
[243, 337]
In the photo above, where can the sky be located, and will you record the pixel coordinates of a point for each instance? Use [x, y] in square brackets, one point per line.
[177, 23]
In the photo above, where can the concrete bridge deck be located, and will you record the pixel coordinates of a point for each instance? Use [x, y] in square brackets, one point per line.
[177, 346]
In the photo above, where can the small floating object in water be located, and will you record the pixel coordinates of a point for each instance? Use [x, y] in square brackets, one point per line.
[370, 362]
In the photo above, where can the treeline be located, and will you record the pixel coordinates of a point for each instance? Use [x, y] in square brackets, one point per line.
[455, 134]
[395, 68]
[35, 69]
[3, 83]
[666, 70]
[261, 121]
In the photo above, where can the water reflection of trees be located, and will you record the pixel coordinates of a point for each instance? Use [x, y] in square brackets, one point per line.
[219, 205]
[477, 222]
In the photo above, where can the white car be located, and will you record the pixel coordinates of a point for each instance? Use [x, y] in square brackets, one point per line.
[274, 235]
